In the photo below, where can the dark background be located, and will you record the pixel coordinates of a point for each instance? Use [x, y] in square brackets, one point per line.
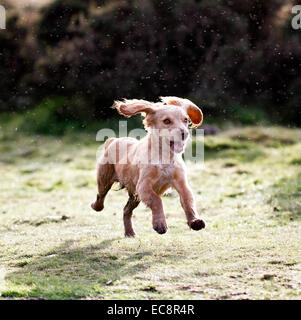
[67, 61]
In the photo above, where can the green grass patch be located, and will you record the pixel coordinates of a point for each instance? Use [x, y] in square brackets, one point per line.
[53, 246]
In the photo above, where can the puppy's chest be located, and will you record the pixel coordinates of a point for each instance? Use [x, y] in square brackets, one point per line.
[166, 174]
[166, 171]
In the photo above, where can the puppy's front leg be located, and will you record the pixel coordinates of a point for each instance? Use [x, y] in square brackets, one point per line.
[187, 200]
[153, 201]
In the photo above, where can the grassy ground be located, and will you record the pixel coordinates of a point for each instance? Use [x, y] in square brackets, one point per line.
[53, 246]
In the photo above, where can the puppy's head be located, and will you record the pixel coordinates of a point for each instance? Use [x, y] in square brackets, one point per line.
[169, 119]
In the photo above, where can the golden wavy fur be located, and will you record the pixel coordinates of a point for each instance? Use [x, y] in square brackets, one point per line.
[131, 162]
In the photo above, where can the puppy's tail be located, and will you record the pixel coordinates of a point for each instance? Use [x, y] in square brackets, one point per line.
[108, 142]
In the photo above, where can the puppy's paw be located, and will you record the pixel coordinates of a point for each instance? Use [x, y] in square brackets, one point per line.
[197, 224]
[160, 226]
[130, 234]
[97, 206]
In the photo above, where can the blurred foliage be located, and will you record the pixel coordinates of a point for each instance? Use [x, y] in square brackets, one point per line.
[13, 63]
[220, 54]
[60, 12]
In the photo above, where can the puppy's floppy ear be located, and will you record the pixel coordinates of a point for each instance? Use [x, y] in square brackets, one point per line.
[194, 112]
[129, 108]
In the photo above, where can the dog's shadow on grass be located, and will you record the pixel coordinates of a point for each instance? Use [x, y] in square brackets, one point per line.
[69, 272]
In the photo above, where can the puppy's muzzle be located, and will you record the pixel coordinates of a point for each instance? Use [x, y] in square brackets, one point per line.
[177, 144]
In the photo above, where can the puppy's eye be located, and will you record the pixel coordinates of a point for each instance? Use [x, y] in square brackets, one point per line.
[167, 121]
[186, 120]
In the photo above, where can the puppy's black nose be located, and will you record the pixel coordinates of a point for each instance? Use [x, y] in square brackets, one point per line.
[184, 134]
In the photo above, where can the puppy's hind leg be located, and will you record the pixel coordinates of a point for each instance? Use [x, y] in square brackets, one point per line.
[105, 179]
[132, 203]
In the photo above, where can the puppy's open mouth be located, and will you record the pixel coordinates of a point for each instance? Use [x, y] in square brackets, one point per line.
[177, 146]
